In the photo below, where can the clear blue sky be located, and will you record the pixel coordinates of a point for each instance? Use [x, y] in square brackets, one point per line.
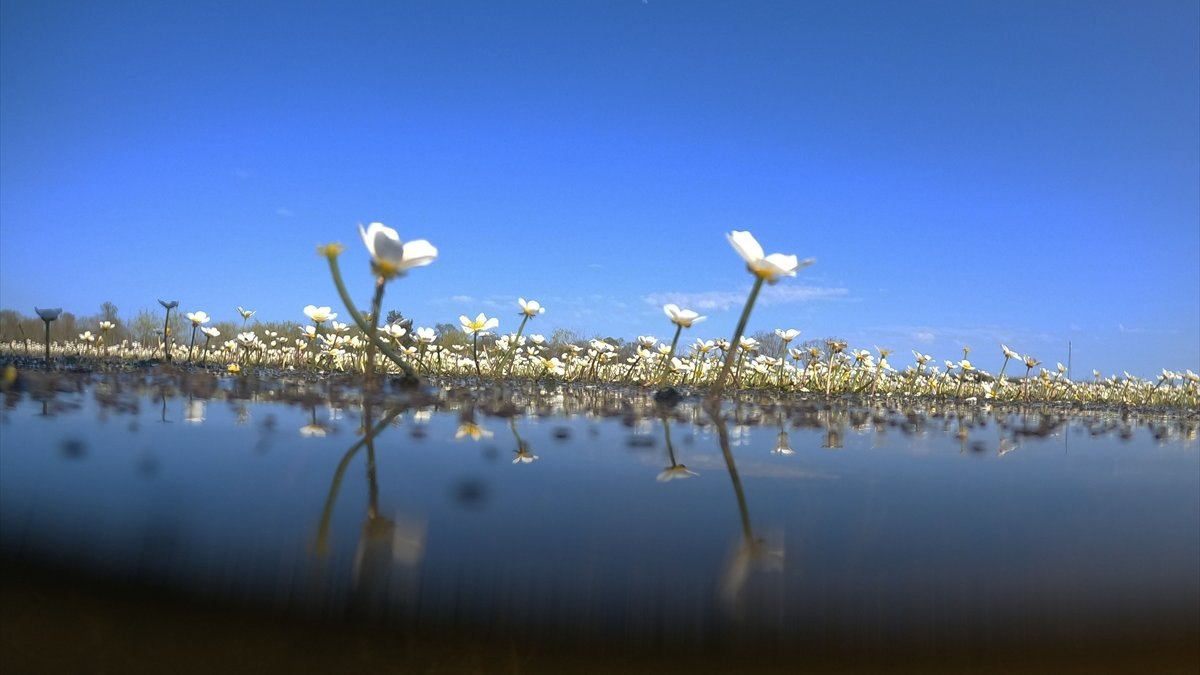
[964, 172]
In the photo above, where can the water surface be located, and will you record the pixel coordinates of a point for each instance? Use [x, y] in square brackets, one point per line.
[551, 514]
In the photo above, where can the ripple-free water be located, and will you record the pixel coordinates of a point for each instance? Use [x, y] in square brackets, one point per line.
[550, 514]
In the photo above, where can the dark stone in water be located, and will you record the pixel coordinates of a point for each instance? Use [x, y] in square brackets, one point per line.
[668, 398]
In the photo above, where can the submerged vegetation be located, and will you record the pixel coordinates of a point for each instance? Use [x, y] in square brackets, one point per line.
[828, 368]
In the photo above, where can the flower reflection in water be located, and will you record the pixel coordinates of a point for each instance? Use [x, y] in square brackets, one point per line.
[385, 544]
[524, 454]
[783, 445]
[675, 470]
[314, 428]
[193, 411]
[390, 549]
[751, 554]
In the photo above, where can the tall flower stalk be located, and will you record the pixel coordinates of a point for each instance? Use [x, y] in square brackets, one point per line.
[682, 318]
[47, 316]
[390, 258]
[479, 326]
[198, 319]
[168, 305]
[528, 311]
[765, 268]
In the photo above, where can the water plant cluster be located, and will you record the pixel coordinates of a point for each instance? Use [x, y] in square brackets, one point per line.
[710, 364]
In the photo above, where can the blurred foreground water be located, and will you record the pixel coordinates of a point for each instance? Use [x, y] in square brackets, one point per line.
[285, 524]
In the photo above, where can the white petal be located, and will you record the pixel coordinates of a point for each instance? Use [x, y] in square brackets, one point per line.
[786, 264]
[746, 245]
[418, 253]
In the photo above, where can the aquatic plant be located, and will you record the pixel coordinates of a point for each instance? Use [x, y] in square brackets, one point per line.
[529, 310]
[476, 327]
[682, 318]
[769, 268]
[198, 319]
[167, 305]
[47, 316]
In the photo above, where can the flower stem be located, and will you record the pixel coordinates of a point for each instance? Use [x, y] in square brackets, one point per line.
[192, 345]
[719, 385]
[167, 335]
[47, 345]
[512, 352]
[376, 304]
[362, 323]
[666, 365]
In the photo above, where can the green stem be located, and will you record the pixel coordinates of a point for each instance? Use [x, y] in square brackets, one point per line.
[166, 335]
[475, 352]
[512, 352]
[719, 385]
[362, 323]
[192, 345]
[47, 345]
[666, 365]
[376, 304]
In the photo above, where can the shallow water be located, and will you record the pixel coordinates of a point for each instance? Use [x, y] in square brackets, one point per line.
[590, 513]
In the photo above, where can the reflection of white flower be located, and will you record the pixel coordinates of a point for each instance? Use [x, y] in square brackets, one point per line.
[313, 429]
[473, 430]
[194, 412]
[782, 446]
[524, 456]
[676, 472]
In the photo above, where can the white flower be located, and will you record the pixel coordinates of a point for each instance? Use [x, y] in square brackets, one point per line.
[787, 335]
[768, 267]
[531, 308]
[197, 318]
[319, 314]
[480, 325]
[211, 332]
[682, 317]
[246, 313]
[426, 335]
[389, 256]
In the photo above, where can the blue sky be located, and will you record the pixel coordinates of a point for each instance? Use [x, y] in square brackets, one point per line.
[964, 172]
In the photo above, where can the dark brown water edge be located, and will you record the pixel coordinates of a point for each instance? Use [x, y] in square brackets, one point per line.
[55, 620]
[112, 378]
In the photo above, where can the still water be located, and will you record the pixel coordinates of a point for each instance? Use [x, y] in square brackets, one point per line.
[591, 513]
